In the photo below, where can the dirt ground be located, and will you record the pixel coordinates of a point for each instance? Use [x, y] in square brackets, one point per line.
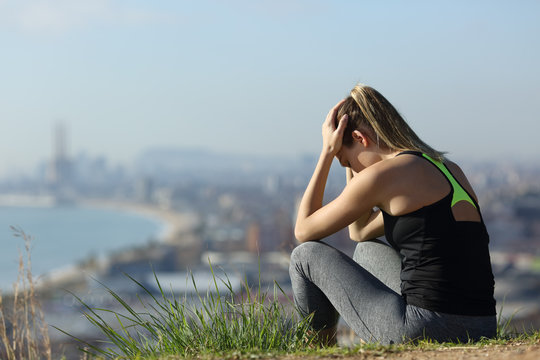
[519, 352]
[492, 352]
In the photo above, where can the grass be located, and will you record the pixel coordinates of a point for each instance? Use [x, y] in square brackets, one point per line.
[217, 324]
[248, 322]
[23, 331]
[251, 325]
[384, 351]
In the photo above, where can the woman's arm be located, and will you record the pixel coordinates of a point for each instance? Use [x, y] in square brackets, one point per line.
[313, 196]
[372, 227]
[369, 225]
[357, 199]
[315, 221]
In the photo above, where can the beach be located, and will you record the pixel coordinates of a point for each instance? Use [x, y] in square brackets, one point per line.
[66, 240]
[174, 223]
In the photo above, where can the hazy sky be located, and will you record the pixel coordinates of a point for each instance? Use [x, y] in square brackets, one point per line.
[259, 76]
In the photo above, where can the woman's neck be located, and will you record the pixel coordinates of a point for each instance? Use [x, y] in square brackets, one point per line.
[370, 157]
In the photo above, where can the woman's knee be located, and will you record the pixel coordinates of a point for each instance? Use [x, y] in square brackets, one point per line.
[303, 251]
[305, 254]
[367, 250]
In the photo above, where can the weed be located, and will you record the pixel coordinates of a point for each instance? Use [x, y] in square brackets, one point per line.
[23, 331]
[504, 329]
[213, 323]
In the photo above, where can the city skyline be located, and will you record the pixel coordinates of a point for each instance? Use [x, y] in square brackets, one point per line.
[259, 78]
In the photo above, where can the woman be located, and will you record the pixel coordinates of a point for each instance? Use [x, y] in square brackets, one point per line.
[435, 281]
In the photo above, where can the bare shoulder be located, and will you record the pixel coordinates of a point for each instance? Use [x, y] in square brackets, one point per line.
[401, 166]
[389, 168]
[454, 168]
[460, 176]
[390, 175]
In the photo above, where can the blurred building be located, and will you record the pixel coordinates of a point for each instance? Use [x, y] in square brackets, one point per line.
[60, 169]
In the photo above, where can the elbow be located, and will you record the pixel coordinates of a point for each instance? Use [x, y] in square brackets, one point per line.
[361, 238]
[300, 234]
[358, 235]
[354, 237]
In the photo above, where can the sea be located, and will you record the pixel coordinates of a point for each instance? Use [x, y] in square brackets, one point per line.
[62, 236]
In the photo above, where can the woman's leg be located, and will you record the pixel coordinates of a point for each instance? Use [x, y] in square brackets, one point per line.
[327, 282]
[381, 260]
[384, 263]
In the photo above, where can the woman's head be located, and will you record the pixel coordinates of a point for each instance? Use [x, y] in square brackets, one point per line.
[369, 112]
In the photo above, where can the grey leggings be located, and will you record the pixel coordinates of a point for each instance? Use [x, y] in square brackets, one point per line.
[366, 293]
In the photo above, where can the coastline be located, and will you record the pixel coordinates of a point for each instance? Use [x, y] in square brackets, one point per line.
[174, 223]
[172, 228]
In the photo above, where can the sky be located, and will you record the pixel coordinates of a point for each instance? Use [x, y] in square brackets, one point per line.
[258, 77]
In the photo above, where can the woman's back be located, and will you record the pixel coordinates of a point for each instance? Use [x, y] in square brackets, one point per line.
[444, 249]
[415, 183]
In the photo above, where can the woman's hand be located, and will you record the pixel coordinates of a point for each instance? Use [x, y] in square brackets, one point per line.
[354, 205]
[332, 136]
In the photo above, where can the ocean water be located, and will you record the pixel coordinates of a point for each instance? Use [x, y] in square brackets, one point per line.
[65, 235]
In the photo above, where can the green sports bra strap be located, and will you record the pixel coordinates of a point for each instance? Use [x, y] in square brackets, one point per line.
[459, 193]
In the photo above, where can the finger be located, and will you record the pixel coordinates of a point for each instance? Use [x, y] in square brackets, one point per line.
[335, 109]
[342, 124]
[332, 113]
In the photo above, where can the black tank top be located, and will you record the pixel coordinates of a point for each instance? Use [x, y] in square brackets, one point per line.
[445, 264]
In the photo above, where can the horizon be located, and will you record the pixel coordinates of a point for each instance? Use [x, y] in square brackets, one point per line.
[259, 78]
[194, 159]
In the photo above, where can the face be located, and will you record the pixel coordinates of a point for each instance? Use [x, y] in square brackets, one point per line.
[348, 157]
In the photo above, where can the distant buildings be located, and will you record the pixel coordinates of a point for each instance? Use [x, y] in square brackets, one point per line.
[61, 168]
[247, 207]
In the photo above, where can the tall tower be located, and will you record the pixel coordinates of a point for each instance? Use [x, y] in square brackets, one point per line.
[60, 141]
[60, 170]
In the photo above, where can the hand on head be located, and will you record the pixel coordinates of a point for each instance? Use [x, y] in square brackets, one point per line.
[332, 135]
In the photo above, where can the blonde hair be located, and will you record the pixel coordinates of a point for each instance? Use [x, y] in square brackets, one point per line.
[370, 112]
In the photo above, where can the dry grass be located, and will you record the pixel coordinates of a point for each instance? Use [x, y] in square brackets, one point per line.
[23, 331]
